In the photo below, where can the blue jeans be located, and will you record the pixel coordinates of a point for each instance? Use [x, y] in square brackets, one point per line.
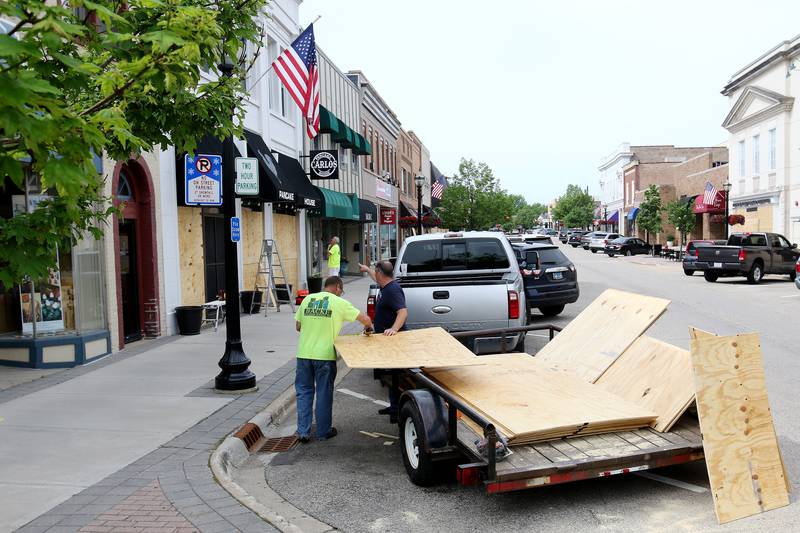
[314, 376]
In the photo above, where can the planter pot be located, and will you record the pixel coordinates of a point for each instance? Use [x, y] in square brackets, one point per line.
[314, 285]
[189, 317]
[251, 300]
[283, 292]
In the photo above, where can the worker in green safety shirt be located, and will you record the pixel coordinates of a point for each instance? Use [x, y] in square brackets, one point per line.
[319, 319]
[334, 257]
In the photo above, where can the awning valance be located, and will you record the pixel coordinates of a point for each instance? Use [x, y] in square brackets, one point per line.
[614, 218]
[368, 211]
[329, 123]
[306, 195]
[406, 210]
[274, 185]
[718, 207]
[340, 205]
[342, 133]
[632, 214]
[208, 145]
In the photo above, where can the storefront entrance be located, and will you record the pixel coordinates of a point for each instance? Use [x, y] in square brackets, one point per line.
[129, 281]
[214, 253]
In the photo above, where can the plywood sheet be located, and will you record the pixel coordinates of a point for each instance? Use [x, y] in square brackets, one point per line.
[741, 449]
[601, 332]
[192, 264]
[530, 402]
[430, 347]
[654, 375]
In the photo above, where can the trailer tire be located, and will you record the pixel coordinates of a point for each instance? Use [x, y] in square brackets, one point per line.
[421, 469]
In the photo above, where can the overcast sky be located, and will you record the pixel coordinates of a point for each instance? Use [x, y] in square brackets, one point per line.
[542, 91]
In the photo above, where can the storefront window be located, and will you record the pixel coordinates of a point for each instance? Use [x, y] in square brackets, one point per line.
[388, 242]
[87, 276]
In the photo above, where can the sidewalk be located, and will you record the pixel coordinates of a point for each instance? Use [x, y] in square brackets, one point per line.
[125, 443]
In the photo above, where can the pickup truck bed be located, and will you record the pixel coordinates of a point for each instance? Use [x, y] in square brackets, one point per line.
[576, 458]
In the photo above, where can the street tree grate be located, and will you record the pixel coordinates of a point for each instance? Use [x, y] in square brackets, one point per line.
[279, 444]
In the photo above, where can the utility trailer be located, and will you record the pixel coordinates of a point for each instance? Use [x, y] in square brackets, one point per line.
[435, 439]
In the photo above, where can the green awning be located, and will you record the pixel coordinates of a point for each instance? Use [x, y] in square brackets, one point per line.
[328, 123]
[346, 137]
[340, 205]
[362, 146]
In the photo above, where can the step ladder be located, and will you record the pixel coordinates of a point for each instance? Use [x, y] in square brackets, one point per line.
[270, 274]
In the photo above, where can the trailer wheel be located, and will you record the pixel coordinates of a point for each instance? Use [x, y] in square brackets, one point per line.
[419, 466]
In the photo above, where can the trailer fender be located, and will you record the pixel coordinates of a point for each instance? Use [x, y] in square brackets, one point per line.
[434, 415]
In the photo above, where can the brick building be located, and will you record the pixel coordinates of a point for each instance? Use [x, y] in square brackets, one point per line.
[680, 173]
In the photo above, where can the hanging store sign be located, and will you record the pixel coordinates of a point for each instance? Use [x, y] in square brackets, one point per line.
[324, 165]
[246, 176]
[383, 190]
[388, 216]
[203, 174]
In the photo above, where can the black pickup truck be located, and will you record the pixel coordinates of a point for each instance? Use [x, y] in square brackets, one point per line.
[748, 254]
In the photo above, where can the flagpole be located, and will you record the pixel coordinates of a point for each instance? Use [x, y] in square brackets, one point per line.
[270, 65]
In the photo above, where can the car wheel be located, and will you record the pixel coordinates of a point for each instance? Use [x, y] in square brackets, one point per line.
[419, 464]
[610, 255]
[551, 310]
[688, 272]
[755, 274]
[574, 245]
[793, 276]
[711, 277]
[594, 251]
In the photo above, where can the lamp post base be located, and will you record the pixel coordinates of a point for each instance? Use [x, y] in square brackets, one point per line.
[235, 375]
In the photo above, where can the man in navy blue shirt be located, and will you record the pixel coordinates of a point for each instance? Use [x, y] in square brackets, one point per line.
[390, 312]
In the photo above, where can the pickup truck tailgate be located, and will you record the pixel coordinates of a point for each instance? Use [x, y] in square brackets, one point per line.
[479, 304]
[718, 254]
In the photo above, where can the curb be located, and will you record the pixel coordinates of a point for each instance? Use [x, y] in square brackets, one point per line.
[232, 453]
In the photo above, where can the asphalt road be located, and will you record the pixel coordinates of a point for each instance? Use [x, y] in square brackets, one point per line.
[357, 483]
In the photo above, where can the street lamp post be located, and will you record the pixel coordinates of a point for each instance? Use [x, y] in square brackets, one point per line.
[605, 216]
[235, 374]
[727, 186]
[420, 181]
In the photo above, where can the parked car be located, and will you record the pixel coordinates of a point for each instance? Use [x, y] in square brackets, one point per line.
[627, 246]
[586, 239]
[600, 240]
[690, 254]
[539, 238]
[796, 272]
[463, 281]
[574, 238]
[748, 254]
[550, 279]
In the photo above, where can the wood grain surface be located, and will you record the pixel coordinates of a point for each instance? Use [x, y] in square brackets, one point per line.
[742, 456]
[654, 375]
[601, 332]
[430, 347]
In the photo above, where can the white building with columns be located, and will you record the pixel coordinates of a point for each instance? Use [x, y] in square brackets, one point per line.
[764, 142]
[611, 184]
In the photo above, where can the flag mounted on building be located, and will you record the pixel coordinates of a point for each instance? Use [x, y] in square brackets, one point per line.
[297, 69]
[438, 185]
[710, 194]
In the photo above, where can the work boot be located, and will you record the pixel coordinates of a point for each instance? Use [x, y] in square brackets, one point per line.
[332, 433]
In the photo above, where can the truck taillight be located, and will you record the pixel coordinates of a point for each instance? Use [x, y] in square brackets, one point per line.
[371, 307]
[742, 256]
[513, 304]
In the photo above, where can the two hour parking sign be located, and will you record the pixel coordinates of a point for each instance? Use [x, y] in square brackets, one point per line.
[203, 173]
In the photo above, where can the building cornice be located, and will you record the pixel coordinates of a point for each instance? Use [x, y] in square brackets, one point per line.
[778, 104]
[784, 50]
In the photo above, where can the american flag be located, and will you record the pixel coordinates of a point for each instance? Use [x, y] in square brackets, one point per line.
[297, 69]
[438, 187]
[710, 194]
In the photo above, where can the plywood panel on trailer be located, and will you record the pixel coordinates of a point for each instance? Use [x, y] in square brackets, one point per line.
[742, 455]
[654, 375]
[601, 332]
[430, 347]
[530, 402]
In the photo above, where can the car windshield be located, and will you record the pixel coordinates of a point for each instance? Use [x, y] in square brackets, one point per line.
[473, 254]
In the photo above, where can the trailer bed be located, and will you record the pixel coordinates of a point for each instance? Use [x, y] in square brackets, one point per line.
[575, 458]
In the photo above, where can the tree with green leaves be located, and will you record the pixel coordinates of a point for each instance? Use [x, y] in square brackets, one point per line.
[473, 199]
[107, 77]
[649, 218]
[575, 209]
[680, 214]
[528, 215]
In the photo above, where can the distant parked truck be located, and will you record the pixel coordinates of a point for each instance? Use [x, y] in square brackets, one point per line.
[748, 254]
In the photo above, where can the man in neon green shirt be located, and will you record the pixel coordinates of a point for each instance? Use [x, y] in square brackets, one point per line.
[319, 319]
[334, 257]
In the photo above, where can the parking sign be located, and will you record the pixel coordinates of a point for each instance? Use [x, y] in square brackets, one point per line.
[246, 176]
[236, 229]
[203, 174]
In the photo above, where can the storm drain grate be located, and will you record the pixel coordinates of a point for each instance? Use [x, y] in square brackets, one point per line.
[279, 444]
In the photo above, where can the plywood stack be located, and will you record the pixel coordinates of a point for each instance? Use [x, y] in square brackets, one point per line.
[529, 402]
[744, 463]
[601, 332]
[431, 347]
[654, 375]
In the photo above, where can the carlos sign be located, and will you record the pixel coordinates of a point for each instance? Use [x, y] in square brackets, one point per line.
[324, 165]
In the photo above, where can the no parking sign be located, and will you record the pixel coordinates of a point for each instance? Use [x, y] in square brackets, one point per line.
[203, 173]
